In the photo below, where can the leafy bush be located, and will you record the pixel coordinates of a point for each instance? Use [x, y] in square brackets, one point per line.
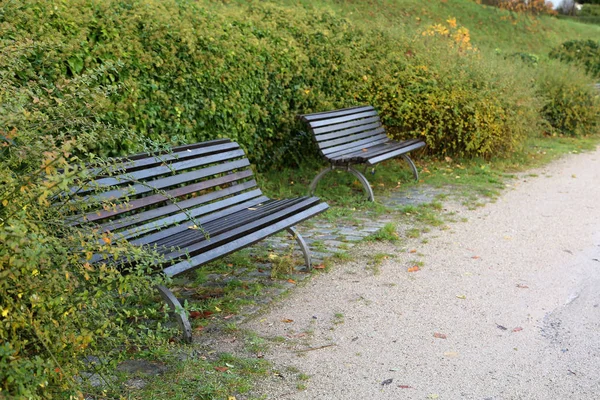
[461, 104]
[581, 52]
[56, 308]
[571, 104]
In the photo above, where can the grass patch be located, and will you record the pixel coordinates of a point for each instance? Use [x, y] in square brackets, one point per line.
[201, 378]
[387, 233]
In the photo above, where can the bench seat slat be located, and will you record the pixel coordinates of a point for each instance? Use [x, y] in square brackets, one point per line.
[400, 151]
[343, 119]
[163, 183]
[165, 210]
[346, 125]
[335, 152]
[230, 205]
[382, 149]
[199, 242]
[335, 113]
[351, 139]
[226, 223]
[346, 132]
[146, 160]
[162, 170]
[160, 235]
[161, 198]
[228, 246]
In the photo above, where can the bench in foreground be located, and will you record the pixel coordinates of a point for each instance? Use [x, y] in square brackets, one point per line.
[193, 205]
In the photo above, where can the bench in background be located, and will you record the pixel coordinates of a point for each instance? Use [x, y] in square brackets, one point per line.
[353, 136]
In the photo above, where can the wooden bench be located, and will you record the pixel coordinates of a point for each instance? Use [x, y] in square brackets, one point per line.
[352, 136]
[193, 205]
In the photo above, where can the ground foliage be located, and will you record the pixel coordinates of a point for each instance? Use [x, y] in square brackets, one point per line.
[57, 309]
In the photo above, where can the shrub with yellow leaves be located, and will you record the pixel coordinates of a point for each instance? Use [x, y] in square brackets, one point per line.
[56, 308]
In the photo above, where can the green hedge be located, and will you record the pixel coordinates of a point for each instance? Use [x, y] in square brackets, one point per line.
[194, 71]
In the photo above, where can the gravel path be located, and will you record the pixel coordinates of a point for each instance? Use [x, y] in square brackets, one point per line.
[505, 305]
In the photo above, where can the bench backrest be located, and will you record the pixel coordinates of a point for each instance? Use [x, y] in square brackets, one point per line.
[146, 197]
[345, 131]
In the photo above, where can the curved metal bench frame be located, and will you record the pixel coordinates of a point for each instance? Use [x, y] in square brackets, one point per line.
[354, 136]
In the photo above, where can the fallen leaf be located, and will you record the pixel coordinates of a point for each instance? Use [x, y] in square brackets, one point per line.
[412, 251]
[229, 316]
[501, 327]
[230, 265]
[413, 269]
[200, 314]
[439, 335]
[450, 354]
[287, 320]
[217, 309]
[521, 286]
[387, 382]
[320, 266]
[433, 396]
[292, 281]
[221, 369]
[231, 398]
[475, 257]
[461, 296]
[405, 387]
[364, 150]
[517, 329]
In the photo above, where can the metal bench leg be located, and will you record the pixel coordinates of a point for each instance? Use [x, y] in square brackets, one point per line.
[180, 315]
[412, 166]
[303, 246]
[350, 169]
[364, 182]
[313, 184]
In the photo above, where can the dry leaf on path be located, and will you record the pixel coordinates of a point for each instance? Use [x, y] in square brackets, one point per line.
[439, 335]
[221, 369]
[413, 269]
[517, 329]
[287, 320]
[521, 286]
